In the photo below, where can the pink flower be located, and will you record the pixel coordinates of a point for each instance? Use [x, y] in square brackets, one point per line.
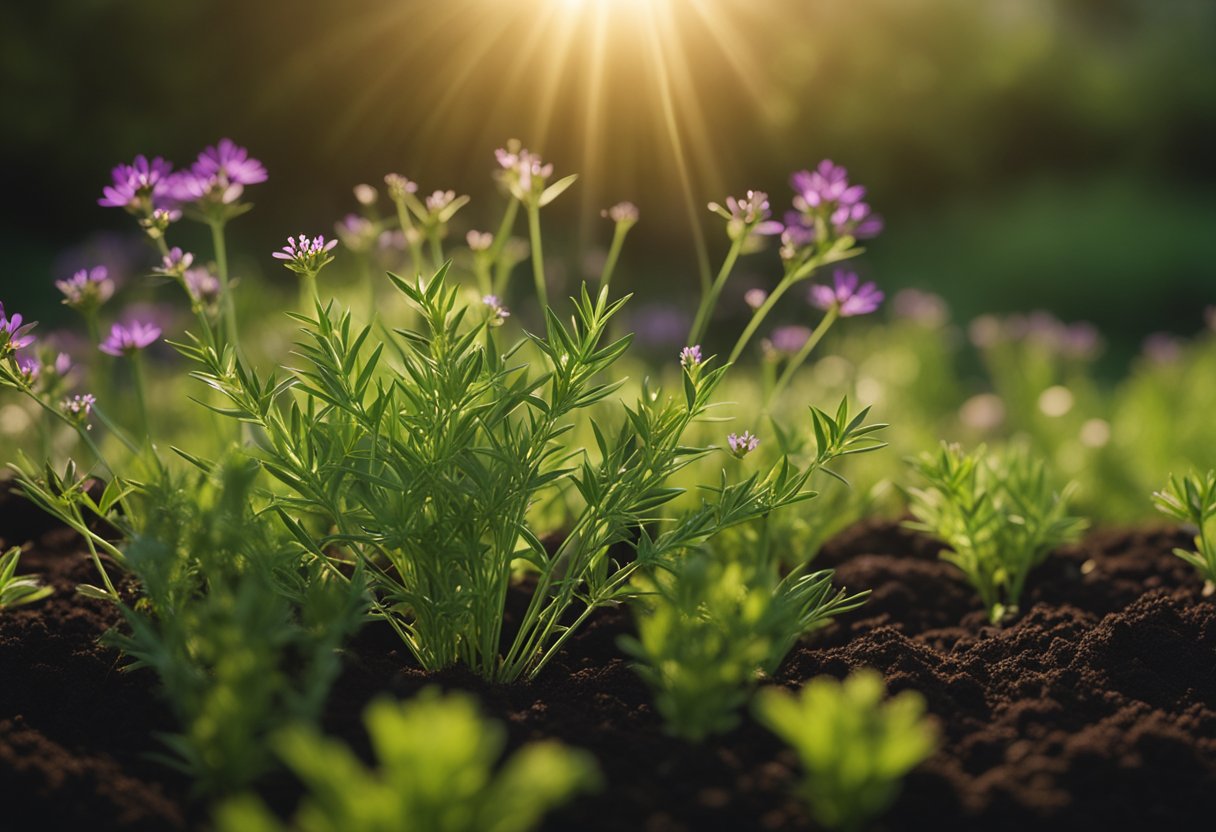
[846, 295]
[126, 340]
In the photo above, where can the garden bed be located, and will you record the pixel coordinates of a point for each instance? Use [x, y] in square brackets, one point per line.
[1096, 708]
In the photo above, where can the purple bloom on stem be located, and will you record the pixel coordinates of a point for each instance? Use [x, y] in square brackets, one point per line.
[690, 357]
[79, 408]
[14, 335]
[522, 171]
[787, 340]
[622, 213]
[742, 444]
[175, 263]
[139, 187]
[28, 368]
[305, 256]
[229, 161]
[747, 215]
[87, 288]
[202, 286]
[357, 232]
[399, 186]
[825, 198]
[498, 312]
[846, 295]
[126, 340]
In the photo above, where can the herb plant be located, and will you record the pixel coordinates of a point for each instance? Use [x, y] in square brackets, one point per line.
[15, 589]
[438, 770]
[712, 623]
[1193, 500]
[854, 747]
[998, 514]
[238, 621]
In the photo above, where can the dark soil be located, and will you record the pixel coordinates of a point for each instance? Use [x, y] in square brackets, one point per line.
[1096, 709]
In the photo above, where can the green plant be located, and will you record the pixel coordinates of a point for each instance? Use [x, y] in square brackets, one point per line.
[854, 748]
[238, 621]
[425, 466]
[436, 772]
[711, 623]
[708, 633]
[998, 514]
[15, 589]
[1193, 500]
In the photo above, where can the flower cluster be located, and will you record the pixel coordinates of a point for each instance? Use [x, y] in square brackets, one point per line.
[155, 192]
[742, 444]
[78, 408]
[175, 263]
[623, 213]
[523, 172]
[87, 289]
[747, 216]
[825, 203]
[305, 256]
[846, 296]
[498, 312]
[129, 339]
[140, 187]
[14, 335]
[690, 357]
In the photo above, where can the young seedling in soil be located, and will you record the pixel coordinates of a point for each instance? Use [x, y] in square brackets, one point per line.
[998, 514]
[854, 747]
[15, 589]
[438, 771]
[1193, 500]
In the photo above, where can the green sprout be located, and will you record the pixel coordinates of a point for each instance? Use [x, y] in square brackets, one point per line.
[15, 589]
[1193, 500]
[437, 772]
[998, 514]
[854, 748]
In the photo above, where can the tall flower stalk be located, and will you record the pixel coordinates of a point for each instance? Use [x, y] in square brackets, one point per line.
[624, 216]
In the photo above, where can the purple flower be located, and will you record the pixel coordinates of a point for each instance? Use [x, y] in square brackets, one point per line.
[13, 334]
[218, 176]
[742, 444]
[305, 256]
[498, 312]
[175, 263]
[78, 408]
[87, 289]
[138, 187]
[690, 357]
[129, 339]
[230, 162]
[523, 172]
[787, 340]
[28, 368]
[399, 186]
[824, 198]
[201, 285]
[747, 216]
[357, 233]
[849, 298]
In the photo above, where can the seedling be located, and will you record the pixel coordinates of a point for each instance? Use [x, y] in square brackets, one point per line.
[998, 514]
[437, 771]
[1193, 500]
[15, 589]
[854, 748]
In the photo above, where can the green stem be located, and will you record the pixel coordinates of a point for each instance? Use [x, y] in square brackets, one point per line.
[614, 253]
[141, 396]
[227, 305]
[709, 299]
[436, 249]
[794, 363]
[101, 370]
[308, 293]
[369, 284]
[538, 256]
[758, 317]
[502, 271]
[411, 236]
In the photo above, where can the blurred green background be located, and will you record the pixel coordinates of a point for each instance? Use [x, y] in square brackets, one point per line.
[1026, 154]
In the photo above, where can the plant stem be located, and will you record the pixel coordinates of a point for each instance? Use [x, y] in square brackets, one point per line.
[411, 236]
[614, 253]
[757, 317]
[227, 305]
[308, 293]
[709, 299]
[436, 249]
[141, 397]
[794, 363]
[538, 257]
